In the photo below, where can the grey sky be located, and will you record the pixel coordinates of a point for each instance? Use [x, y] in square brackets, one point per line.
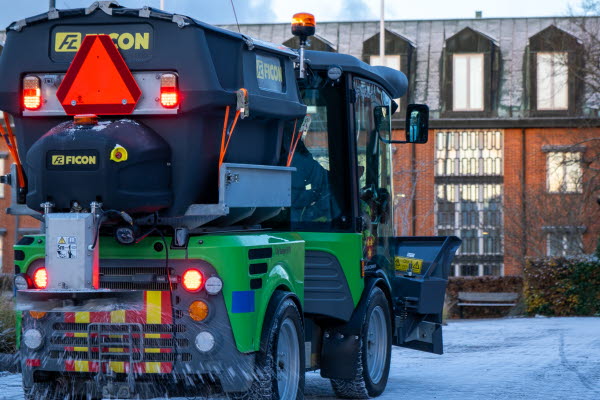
[264, 11]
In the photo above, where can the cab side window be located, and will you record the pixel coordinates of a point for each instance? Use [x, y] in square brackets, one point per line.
[374, 163]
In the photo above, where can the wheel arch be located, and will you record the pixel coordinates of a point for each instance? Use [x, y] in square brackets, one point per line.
[281, 293]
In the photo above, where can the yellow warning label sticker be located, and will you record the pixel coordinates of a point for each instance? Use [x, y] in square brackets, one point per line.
[406, 263]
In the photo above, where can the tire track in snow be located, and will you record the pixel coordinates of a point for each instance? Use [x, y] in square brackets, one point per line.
[563, 360]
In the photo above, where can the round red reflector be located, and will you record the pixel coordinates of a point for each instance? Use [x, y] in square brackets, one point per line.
[40, 278]
[192, 280]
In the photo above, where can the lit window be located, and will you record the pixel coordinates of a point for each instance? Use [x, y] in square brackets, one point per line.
[388, 61]
[564, 243]
[467, 82]
[552, 81]
[564, 172]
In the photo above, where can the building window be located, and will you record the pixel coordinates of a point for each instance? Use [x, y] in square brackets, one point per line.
[564, 172]
[1, 253]
[469, 198]
[467, 82]
[552, 81]
[564, 243]
[388, 61]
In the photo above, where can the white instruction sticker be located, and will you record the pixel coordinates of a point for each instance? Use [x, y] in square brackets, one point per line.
[66, 246]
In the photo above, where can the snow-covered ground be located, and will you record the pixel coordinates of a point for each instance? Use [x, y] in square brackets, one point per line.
[533, 358]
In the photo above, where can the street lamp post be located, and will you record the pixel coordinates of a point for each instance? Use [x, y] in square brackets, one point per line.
[382, 34]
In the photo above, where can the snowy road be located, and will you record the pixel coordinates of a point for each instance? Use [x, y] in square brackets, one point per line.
[538, 358]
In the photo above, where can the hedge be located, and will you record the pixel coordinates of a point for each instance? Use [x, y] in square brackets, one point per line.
[562, 286]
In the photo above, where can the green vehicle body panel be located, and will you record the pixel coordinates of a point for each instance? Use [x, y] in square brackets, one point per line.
[348, 248]
[228, 254]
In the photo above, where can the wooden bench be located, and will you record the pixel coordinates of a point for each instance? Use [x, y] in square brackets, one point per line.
[486, 299]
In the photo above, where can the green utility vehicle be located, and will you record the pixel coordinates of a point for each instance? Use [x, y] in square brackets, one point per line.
[217, 211]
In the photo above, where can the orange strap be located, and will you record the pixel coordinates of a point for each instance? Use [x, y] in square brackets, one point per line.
[242, 107]
[294, 143]
[226, 136]
[12, 147]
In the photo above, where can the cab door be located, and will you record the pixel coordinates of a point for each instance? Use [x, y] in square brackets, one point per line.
[416, 268]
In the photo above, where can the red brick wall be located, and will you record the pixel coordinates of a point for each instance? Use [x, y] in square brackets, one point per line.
[10, 222]
[524, 191]
[414, 206]
[527, 204]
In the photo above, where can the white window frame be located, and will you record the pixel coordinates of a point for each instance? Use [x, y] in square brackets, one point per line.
[564, 236]
[391, 61]
[480, 267]
[563, 172]
[455, 84]
[543, 81]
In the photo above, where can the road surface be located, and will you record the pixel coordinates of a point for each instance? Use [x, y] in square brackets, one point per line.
[518, 358]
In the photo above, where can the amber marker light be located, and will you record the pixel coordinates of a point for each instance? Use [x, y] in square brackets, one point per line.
[37, 314]
[198, 310]
[303, 24]
[86, 119]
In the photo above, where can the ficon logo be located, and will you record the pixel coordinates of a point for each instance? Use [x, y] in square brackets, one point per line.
[58, 160]
[67, 41]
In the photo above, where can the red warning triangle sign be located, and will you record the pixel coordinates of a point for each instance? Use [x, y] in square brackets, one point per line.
[98, 81]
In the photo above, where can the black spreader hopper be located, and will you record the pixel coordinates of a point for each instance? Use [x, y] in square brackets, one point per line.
[175, 163]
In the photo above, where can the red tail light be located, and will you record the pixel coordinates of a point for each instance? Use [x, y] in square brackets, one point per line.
[40, 278]
[169, 95]
[32, 93]
[192, 280]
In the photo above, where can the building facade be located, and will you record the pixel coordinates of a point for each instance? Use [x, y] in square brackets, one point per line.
[511, 163]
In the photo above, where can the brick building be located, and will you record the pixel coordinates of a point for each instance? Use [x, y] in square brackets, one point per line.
[515, 136]
[11, 228]
[515, 139]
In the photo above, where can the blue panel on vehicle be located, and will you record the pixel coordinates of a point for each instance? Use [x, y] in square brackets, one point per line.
[242, 302]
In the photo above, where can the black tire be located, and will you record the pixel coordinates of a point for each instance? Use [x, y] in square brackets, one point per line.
[281, 313]
[363, 386]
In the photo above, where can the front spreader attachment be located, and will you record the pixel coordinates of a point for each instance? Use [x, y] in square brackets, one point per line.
[421, 265]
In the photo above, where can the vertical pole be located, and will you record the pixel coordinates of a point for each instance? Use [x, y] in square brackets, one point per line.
[302, 73]
[162, 5]
[52, 4]
[382, 34]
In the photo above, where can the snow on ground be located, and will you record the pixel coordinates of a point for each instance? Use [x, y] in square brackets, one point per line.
[521, 358]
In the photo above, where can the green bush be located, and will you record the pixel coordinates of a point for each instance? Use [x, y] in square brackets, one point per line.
[562, 286]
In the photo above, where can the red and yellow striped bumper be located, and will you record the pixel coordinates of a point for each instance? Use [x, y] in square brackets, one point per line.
[156, 310]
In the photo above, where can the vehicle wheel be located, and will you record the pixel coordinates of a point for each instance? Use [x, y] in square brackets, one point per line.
[279, 370]
[373, 362]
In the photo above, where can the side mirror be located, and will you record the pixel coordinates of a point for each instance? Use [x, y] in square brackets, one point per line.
[417, 123]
